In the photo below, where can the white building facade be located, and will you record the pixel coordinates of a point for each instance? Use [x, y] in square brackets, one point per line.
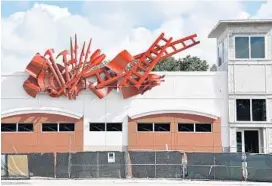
[179, 94]
[245, 52]
[233, 105]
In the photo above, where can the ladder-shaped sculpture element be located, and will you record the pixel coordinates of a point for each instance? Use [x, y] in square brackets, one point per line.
[174, 48]
[139, 72]
[147, 61]
[149, 58]
[141, 65]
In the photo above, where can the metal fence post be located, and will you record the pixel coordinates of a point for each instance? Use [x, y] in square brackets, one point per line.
[244, 166]
[55, 164]
[69, 159]
[155, 164]
[184, 161]
[69, 165]
[97, 164]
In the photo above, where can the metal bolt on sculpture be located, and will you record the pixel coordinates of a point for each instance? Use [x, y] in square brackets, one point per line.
[131, 74]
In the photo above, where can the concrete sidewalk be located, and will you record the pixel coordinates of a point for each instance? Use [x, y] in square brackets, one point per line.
[132, 182]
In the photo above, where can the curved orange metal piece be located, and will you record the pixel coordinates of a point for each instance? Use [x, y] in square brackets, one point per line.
[95, 55]
[120, 62]
[36, 65]
[31, 86]
[101, 93]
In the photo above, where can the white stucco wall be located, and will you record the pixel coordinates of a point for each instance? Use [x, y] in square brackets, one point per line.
[203, 93]
[248, 78]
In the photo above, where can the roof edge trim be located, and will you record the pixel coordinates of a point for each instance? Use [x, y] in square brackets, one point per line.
[46, 110]
[134, 116]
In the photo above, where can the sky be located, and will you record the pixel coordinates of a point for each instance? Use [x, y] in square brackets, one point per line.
[29, 27]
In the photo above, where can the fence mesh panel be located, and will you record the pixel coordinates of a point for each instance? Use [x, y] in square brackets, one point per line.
[139, 164]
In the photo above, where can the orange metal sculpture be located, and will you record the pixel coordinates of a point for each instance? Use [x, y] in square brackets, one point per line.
[131, 74]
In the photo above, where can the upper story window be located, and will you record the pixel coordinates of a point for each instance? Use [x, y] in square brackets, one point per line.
[249, 47]
[225, 49]
[251, 110]
[220, 51]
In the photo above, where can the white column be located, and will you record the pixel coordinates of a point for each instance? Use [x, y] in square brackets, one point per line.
[269, 140]
[233, 146]
[264, 140]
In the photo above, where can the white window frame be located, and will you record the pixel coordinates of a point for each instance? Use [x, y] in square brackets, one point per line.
[145, 131]
[161, 123]
[67, 131]
[226, 53]
[243, 138]
[153, 127]
[195, 128]
[106, 127]
[11, 132]
[251, 112]
[24, 132]
[249, 43]
[223, 60]
[17, 127]
[225, 42]
[49, 131]
[58, 128]
[90, 123]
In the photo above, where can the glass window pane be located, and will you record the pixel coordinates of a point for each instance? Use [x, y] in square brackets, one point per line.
[186, 127]
[239, 141]
[66, 127]
[203, 127]
[114, 126]
[162, 127]
[257, 47]
[50, 127]
[251, 141]
[259, 109]
[220, 54]
[242, 47]
[243, 109]
[225, 50]
[146, 127]
[25, 127]
[97, 127]
[8, 127]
